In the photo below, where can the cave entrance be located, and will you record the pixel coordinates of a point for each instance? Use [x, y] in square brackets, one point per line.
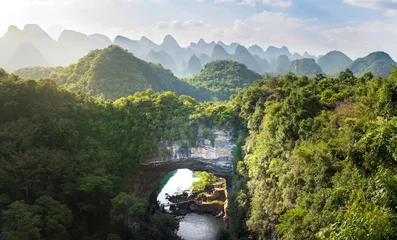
[198, 200]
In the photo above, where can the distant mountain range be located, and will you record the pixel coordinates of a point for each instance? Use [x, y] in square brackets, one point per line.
[32, 46]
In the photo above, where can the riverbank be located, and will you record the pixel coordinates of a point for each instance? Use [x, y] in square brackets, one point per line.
[213, 200]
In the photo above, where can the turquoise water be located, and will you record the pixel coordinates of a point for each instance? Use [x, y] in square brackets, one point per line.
[192, 226]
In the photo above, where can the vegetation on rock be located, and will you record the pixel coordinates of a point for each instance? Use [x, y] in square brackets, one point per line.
[224, 78]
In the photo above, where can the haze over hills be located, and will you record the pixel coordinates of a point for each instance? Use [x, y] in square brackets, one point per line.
[72, 45]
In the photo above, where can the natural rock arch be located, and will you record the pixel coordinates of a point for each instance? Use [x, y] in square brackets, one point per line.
[211, 156]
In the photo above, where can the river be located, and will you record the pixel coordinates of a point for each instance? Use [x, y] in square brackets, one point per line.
[193, 226]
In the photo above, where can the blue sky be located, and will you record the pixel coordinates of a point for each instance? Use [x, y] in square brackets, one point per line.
[356, 27]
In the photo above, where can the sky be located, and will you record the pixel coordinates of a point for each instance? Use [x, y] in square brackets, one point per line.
[356, 27]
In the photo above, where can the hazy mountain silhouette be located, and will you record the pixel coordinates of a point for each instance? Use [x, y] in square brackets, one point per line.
[193, 65]
[256, 50]
[229, 48]
[162, 58]
[204, 58]
[132, 46]
[27, 55]
[219, 53]
[263, 63]
[73, 45]
[334, 62]
[243, 56]
[282, 64]
[202, 47]
[32, 34]
[305, 66]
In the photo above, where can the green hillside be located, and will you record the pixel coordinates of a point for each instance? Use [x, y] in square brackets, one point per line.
[224, 78]
[305, 66]
[113, 73]
[36, 72]
[379, 63]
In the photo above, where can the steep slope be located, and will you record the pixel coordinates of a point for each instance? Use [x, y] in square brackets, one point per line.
[256, 50]
[27, 55]
[379, 63]
[219, 53]
[193, 65]
[147, 45]
[263, 63]
[242, 55]
[334, 62]
[162, 58]
[180, 55]
[282, 64]
[169, 44]
[113, 73]
[229, 48]
[305, 66]
[224, 78]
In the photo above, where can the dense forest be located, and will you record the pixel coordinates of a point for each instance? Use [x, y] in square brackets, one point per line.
[315, 157]
[66, 159]
[224, 78]
[320, 159]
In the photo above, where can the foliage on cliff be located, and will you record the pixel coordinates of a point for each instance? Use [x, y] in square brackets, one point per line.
[320, 160]
[205, 179]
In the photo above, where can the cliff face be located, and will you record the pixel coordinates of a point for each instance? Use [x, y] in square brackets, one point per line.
[212, 153]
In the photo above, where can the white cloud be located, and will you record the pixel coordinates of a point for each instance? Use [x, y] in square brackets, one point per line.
[279, 3]
[389, 6]
[390, 13]
[373, 4]
[177, 24]
[253, 3]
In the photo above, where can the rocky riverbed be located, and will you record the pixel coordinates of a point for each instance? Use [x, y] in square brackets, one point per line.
[211, 201]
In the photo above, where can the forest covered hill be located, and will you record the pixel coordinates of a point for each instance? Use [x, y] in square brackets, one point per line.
[314, 157]
[113, 73]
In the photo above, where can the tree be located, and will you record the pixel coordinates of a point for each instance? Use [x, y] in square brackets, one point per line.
[20, 222]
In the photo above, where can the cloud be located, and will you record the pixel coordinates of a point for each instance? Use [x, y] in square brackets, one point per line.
[390, 13]
[253, 3]
[362, 39]
[389, 6]
[276, 24]
[177, 24]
